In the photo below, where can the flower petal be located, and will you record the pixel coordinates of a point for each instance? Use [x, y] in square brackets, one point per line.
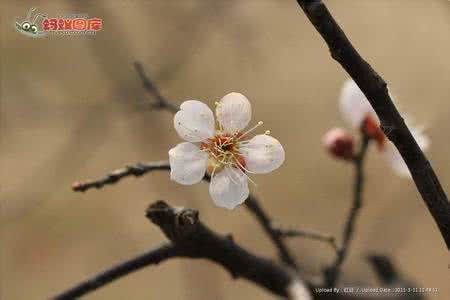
[354, 105]
[262, 154]
[396, 161]
[194, 122]
[187, 163]
[229, 188]
[234, 112]
[394, 157]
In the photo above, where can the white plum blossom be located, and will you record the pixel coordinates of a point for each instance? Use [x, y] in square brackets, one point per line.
[359, 114]
[222, 148]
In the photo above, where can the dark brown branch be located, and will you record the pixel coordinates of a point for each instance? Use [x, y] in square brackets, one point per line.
[389, 276]
[289, 233]
[151, 257]
[384, 268]
[183, 227]
[136, 170]
[192, 239]
[375, 89]
[266, 223]
[159, 101]
[332, 272]
[264, 220]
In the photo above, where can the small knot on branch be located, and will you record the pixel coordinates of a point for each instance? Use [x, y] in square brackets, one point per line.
[388, 130]
[188, 217]
[78, 187]
[176, 222]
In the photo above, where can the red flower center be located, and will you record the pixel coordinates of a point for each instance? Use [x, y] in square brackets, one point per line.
[223, 150]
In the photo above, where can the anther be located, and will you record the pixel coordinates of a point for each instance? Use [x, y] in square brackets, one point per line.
[250, 130]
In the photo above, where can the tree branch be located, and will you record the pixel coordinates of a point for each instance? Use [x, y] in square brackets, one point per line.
[192, 239]
[332, 272]
[384, 268]
[289, 233]
[113, 177]
[267, 224]
[183, 227]
[389, 276]
[151, 257]
[375, 89]
[159, 101]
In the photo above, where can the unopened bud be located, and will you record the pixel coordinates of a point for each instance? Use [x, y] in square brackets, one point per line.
[76, 186]
[339, 143]
[371, 128]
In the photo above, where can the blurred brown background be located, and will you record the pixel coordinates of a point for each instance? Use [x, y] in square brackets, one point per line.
[72, 108]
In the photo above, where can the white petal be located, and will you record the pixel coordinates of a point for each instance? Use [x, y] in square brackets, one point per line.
[229, 188]
[262, 154]
[297, 290]
[422, 140]
[187, 163]
[194, 122]
[354, 105]
[234, 112]
[395, 159]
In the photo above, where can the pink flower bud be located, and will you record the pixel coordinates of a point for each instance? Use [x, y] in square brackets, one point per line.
[339, 143]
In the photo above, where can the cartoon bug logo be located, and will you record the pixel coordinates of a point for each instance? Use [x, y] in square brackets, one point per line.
[74, 24]
[29, 26]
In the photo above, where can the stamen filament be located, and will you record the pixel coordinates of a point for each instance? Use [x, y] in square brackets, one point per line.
[250, 130]
[231, 140]
[241, 166]
[248, 178]
[213, 171]
[230, 176]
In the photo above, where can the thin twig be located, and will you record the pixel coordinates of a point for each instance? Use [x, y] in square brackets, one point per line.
[192, 239]
[113, 177]
[289, 233]
[152, 257]
[389, 276]
[384, 268]
[375, 89]
[159, 101]
[266, 223]
[332, 272]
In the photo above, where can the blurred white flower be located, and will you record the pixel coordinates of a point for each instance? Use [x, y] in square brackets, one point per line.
[359, 114]
[223, 148]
